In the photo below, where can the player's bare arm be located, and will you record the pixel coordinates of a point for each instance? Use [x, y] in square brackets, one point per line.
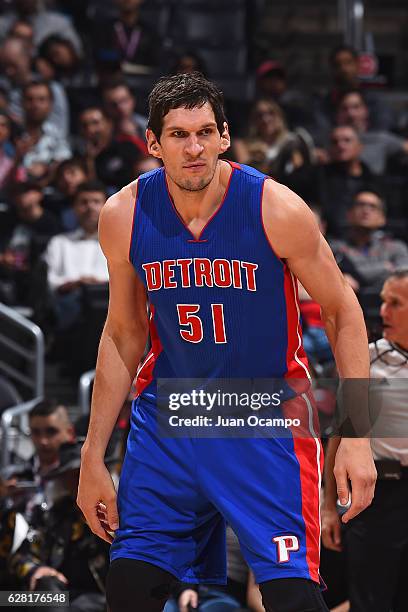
[295, 238]
[121, 348]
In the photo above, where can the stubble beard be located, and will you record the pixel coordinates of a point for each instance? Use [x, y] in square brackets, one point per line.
[189, 185]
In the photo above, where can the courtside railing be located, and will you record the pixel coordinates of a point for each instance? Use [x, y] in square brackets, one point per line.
[33, 355]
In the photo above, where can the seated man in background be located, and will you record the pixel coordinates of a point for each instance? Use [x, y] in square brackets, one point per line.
[378, 145]
[50, 426]
[75, 267]
[109, 159]
[33, 227]
[334, 184]
[60, 553]
[120, 104]
[41, 144]
[68, 177]
[367, 255]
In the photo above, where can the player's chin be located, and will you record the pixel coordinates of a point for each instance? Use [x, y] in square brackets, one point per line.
[196, 183]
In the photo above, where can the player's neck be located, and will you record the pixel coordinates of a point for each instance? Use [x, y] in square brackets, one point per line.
[200, 205]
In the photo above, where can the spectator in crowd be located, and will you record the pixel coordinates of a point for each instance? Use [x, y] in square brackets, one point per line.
[344, 65]
[378, 145]
[24, 30]
[367, 255]
[334, 184]
[188, 61]
[111, 160]
[272, 83]
[127, 40]
[68, 176]
[270, 147]
[58, 60]
[7, 163]
[16, 61]
[41, 145]
[77, 284]
[60, 552]
[75, 259]
[380, 531]
[120, 104]
[34, 227]
[43, 22]
[50, 427]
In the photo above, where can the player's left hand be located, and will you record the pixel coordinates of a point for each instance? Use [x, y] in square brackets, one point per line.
[354, 462]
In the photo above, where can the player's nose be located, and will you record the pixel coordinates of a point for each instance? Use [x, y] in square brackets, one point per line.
[192, 147]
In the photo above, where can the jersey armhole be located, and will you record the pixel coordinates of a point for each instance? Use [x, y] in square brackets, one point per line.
[267, 178]
[133, 223]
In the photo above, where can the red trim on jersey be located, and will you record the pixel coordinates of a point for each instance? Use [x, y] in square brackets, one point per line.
[307, 446]
[145, 373]
[217, 210]
[233, 164]
[133, 222]
[306, 450]
[296, 359]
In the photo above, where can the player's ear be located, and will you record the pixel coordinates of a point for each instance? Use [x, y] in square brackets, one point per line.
[153, 145]
[225, 139]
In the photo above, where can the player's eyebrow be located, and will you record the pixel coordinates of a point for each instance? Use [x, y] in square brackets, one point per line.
[174, 128]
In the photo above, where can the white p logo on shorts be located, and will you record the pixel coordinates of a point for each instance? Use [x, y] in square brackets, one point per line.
[285, 544]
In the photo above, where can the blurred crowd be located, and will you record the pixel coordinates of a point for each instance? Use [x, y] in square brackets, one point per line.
[73, 84]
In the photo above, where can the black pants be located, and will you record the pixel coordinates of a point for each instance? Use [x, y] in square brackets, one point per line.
[136, 586]
[375, 543]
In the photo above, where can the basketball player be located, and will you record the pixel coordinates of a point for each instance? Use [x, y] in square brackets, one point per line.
[215, 248]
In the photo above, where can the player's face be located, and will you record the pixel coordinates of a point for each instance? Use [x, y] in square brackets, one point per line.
[394, 311]
[189, 146]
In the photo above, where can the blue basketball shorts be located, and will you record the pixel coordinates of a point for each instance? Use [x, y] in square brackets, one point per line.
[176, 495]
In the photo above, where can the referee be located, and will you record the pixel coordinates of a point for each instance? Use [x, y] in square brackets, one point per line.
[376, 541]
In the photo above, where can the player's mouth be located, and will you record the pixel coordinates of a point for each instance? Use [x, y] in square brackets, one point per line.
[194, 165]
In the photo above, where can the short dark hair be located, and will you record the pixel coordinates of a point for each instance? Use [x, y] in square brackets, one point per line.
[190, 90]
[38, 83]
[341, 48]
[88, 186]
[45, 48]
[349, 91]
[114, 82]
[44, 408]
[399, 273]
[372, 188]
[22, 188]
[94, 107]
[72, 162]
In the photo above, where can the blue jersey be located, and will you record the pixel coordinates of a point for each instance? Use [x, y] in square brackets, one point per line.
[223, 305]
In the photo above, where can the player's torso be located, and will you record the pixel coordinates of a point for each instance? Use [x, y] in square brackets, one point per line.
[223, 305]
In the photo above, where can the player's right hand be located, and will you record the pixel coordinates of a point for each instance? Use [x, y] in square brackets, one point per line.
[188, 599]
[331, 529]
[97, 498]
